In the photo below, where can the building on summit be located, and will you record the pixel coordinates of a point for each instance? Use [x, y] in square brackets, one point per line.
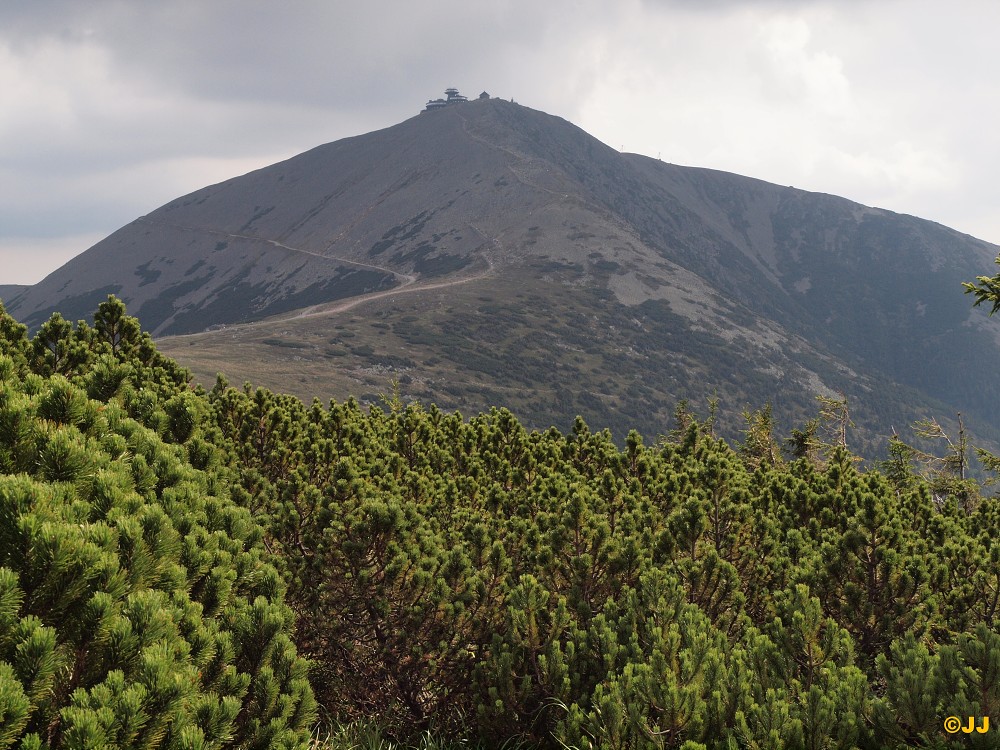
[453, 97]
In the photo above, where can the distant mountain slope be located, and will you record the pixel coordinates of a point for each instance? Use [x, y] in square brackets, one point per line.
[9, 291]
[490, 253]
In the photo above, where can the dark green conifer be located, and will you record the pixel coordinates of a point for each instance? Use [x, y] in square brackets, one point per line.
[136, 609]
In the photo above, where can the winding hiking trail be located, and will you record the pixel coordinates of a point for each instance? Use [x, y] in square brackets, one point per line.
[409, 286]
[407, 278]
[409, 282]
[332, 308]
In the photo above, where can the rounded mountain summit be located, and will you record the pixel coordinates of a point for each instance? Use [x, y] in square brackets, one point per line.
[484, 253]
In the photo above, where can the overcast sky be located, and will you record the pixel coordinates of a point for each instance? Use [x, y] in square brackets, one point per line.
[110, 108]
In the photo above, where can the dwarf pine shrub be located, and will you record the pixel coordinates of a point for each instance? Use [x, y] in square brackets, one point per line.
[136, 607]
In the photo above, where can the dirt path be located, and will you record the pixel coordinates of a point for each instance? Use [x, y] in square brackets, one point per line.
[332, 308]
[519, 157]
[406, 278]
[408, 285]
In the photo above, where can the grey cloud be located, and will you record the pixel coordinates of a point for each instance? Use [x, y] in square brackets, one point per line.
[312, 53]
[166, 95]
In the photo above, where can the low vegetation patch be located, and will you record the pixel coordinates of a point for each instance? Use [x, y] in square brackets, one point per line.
[191, 568]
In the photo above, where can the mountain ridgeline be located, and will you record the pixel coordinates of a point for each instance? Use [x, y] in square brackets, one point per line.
[489, 254]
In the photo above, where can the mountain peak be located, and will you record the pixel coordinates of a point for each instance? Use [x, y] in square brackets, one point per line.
[635, 280]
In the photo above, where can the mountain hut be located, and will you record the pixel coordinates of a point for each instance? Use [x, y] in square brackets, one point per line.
[453, 97]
